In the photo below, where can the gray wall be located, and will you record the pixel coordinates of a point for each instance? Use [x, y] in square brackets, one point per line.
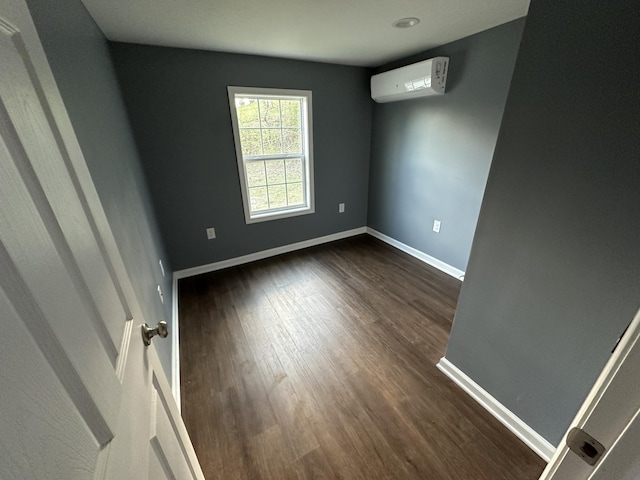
[554, 272]
[178, 106]
[431, 156]
[79, 57]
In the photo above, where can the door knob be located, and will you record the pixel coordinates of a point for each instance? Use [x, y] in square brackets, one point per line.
[148, 333]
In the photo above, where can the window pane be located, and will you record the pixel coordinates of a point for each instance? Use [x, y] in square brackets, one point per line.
[292, 140]
[250, 142]
[256, 175]
[258, 199]
[294, 170]
[275, 171]
[295, 194]
[278, 196]
[269, 113]
[247, 110]
[271, 141]
[290, 113]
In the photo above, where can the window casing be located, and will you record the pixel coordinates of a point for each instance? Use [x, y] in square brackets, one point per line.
[273, 135]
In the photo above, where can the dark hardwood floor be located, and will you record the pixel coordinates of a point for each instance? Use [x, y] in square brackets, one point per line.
[321, 364]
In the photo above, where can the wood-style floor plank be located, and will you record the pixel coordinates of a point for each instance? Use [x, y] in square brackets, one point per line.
[320, 364]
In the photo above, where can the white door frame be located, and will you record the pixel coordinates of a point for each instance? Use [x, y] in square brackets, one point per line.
[610, 407]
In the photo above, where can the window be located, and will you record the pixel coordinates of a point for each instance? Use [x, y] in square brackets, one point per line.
[274, 149]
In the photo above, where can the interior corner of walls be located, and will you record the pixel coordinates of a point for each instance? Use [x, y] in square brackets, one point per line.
[536, 442]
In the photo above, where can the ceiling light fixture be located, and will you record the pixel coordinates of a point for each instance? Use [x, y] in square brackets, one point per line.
[407, 22]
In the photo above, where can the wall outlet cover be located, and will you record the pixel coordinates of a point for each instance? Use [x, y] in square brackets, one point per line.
[436, 226]
[341, 208]
[211, 233]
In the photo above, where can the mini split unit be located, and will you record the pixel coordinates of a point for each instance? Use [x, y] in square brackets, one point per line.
[417, 80]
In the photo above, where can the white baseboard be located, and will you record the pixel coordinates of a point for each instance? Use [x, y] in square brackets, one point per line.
[523, 431]
[272, 252]
[434, 262]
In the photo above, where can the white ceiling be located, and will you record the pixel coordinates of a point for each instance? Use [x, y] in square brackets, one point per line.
[352, 32]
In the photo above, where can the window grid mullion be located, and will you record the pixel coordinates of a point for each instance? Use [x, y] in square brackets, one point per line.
[271, 185]
[277, 156]
[268, 198]
[281, 133]
[266, 181]
[260, 126]
[286, 183]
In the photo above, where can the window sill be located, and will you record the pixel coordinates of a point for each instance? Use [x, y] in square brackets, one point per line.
[256, 218]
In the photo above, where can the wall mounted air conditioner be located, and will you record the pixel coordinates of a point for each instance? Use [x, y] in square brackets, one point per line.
[417, 80]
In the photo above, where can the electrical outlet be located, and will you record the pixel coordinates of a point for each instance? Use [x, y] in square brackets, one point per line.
[341, 208]
[161, 267]
[436, 226]
[211, 233]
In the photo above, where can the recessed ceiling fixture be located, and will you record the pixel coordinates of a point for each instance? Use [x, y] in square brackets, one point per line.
[407, 22]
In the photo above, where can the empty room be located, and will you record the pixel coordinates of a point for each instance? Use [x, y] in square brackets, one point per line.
[308, 240]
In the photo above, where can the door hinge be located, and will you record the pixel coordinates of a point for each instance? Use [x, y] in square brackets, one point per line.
[585, 446]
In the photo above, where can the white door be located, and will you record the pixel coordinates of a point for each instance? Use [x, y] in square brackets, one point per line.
[611, 415]
[81, 397]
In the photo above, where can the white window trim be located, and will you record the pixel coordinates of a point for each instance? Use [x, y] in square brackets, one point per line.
[307, 119]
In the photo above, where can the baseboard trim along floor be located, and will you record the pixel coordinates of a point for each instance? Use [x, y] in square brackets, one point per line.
[428, 259]
[272, 252]
[523, 431]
